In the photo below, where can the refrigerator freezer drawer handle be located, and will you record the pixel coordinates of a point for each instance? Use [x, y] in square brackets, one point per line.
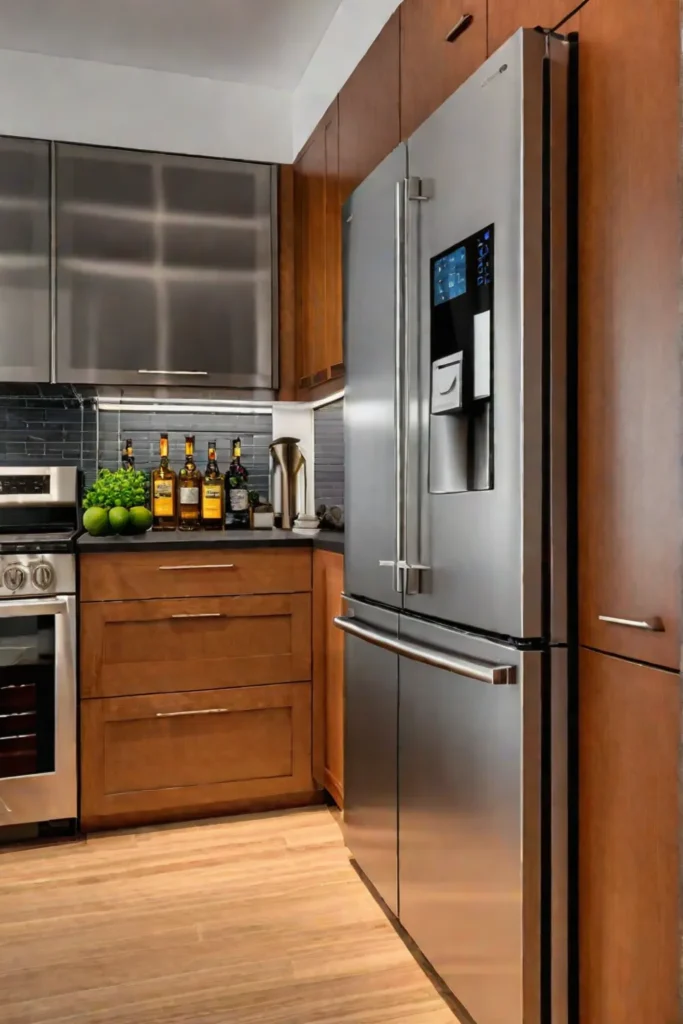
[655, 625]
[496, 675]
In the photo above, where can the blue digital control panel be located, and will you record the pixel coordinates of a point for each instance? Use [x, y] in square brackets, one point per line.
[450, 276]
[484, 259]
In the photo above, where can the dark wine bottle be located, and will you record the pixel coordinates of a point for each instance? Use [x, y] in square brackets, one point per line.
[237, 504]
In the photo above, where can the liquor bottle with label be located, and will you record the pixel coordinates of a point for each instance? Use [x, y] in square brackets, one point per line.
[237, 517]
[164, 489]
[213, 493]
[127, 457]
[189, 488]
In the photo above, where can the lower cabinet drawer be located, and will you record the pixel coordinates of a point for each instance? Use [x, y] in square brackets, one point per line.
[200, 643]
[143, 757]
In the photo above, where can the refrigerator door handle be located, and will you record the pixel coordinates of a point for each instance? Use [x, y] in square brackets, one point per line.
[412, 468]
[399, 383]
[483, 672]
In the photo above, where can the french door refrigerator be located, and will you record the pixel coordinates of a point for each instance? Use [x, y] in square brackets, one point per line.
[455, 281]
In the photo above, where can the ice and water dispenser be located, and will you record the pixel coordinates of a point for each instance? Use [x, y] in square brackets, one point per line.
[461, 420]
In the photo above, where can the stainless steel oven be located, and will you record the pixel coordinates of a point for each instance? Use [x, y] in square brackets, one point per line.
[37, 709]
[38, 526]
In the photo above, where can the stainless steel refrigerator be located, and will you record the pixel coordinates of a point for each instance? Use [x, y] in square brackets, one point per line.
[455, 283]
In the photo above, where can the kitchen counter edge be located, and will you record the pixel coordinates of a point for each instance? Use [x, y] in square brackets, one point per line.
[210, 541]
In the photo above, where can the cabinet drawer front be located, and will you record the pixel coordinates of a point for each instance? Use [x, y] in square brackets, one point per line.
[164, 574]
[149, 754]
[139, 647]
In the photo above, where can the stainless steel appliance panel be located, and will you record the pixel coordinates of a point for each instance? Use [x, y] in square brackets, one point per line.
[470, 822]
[484, 547]
[370, 757]
[24, 260]
[38, 657]
[370, 405]
[165, 269]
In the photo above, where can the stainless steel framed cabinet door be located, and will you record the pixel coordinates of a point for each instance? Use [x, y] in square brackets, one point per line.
[470, 820]
[371, 726]
[24, 260]
[370, 410]
[164, 269]
[475, 512]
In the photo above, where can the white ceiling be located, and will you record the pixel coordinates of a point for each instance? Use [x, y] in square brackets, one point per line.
[256, 42]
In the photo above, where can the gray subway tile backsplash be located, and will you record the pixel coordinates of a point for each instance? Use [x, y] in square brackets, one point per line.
[328, 425]
[48, 424]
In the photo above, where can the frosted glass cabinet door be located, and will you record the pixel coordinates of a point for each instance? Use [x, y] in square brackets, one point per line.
[24, 260]
[164, 269]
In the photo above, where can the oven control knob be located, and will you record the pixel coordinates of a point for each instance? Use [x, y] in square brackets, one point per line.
[42, 576]
[14, 577]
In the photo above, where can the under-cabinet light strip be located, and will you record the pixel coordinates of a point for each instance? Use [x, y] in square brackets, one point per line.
[236, 406]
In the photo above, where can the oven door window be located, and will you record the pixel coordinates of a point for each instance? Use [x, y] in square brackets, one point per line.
[27, 695]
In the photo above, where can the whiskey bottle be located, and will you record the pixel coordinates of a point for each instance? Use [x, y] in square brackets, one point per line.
[189, 487]
[164, 491]
[237, 491]
[213, 493]
[127, 457]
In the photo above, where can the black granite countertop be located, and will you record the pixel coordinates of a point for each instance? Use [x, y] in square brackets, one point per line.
[211, 540]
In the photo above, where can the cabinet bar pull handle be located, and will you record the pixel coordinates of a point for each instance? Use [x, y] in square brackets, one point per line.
[464, 22]
[654, 625]
[182, 568]
[186, 714]
[177, 373]
[196, 615]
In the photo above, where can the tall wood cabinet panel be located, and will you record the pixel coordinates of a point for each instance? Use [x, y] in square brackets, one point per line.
[506, 16]
[629, 438]
[328, 674]
[629, 723]
[431, 68]
[369, 122]
[318, 255]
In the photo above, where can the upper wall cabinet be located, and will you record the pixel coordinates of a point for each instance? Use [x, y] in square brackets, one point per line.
[629, 331]
[431, 67]
[164, 271]
[506, 16]
[24, 260]
[369, 121]
[318, 255]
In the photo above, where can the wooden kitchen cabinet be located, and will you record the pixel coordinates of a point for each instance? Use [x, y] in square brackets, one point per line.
[195, 683]
[369, 116]
[328, 674]
[629, 724]
[180, 573]
[163, 756]
[506, 16]
[135, 647]
[629, 358]
[318, 255]
[431, 68]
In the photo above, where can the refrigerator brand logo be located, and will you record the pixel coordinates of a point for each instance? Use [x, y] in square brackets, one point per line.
[500, 71]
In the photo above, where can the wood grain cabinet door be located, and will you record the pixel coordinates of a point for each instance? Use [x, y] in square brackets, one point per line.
[318, 254]
[369, 121]
[431, 67]
[629, 347]
[142, 575]
[138, 647]
[506, 16]
[170, 754]
[629, 722]
[328, 674]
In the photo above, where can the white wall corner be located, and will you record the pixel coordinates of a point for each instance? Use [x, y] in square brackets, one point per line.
[100, 104]
[355, 26]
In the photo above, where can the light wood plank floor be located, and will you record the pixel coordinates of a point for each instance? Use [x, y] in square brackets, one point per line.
[233, 922]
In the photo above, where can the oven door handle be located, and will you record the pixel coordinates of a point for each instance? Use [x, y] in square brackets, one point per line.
[36, 606]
